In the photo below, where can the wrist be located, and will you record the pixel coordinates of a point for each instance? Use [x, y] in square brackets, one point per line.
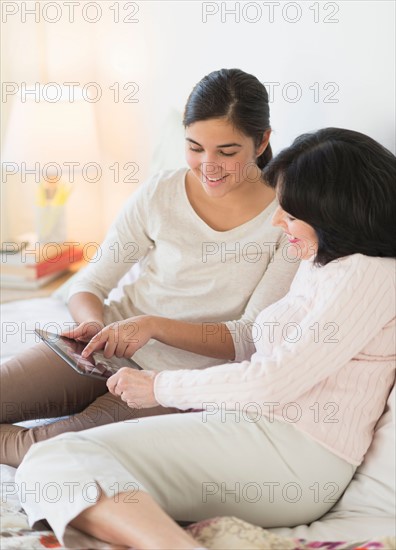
[155, 326]
[155, 382]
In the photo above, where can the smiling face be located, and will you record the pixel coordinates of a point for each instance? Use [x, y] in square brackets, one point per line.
[221, 158]
[300, 234]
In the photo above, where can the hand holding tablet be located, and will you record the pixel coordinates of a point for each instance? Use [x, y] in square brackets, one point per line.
[136, 389]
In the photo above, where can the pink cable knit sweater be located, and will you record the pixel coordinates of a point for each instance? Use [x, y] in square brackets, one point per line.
[325, 358]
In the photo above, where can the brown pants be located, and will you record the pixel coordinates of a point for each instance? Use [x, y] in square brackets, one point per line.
[38, 384]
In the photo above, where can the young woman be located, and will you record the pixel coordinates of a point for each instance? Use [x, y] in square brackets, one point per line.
[208, 252]
[279, 436]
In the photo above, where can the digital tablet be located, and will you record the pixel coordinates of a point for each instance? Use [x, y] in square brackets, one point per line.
[95, 365]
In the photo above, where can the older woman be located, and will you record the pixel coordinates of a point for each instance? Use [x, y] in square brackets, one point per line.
[278, 438]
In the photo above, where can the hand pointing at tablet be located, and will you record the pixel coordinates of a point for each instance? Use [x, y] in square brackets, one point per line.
[122, 338]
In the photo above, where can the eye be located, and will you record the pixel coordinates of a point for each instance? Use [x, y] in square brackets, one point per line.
[195, 150]
[227, 154]
[290, 218]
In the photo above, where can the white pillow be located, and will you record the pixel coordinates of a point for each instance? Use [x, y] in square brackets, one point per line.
[367, 508]
[372, 489]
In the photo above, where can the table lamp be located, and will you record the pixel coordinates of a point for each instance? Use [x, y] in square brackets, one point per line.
[50, 141]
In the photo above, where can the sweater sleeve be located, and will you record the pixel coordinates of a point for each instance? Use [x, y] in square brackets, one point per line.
[356, 298]
[273, 286]
[126, 242]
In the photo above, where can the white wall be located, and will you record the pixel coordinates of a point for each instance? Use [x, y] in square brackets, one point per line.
[356, 53]
[171, 47]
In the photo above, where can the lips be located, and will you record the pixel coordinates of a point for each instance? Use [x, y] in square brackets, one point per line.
[212, 181]
[291, 238]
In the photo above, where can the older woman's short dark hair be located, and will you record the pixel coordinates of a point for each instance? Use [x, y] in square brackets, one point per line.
[343, 184]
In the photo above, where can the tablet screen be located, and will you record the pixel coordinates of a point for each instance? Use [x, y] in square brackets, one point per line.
[95, 365]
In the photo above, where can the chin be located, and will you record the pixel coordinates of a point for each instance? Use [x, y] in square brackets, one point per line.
[215, 193]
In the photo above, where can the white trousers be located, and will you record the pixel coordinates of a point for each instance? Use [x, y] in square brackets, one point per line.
[196, 465]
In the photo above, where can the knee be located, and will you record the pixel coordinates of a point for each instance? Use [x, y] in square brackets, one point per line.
[14, 444]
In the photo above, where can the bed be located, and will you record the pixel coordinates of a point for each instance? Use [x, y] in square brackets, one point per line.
[363, 518]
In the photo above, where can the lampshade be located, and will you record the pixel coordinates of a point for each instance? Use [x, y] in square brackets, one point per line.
[42, 135]
[51, 131]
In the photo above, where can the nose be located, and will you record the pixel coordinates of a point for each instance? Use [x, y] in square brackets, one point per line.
[212, 155]
[277, 217]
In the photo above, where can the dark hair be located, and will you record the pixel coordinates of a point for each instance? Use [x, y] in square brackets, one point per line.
[237, 96]
[343, 184]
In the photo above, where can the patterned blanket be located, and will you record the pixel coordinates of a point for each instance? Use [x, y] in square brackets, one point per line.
[222, 533]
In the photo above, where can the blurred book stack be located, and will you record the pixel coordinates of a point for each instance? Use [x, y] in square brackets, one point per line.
[27, 264]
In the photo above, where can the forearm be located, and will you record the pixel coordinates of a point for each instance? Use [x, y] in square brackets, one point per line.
[85, 306]
[209, 339]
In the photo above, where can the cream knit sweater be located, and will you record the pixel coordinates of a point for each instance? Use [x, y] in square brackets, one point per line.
[325, 358]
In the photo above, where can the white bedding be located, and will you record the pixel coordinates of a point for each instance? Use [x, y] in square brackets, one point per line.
[367, 508]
